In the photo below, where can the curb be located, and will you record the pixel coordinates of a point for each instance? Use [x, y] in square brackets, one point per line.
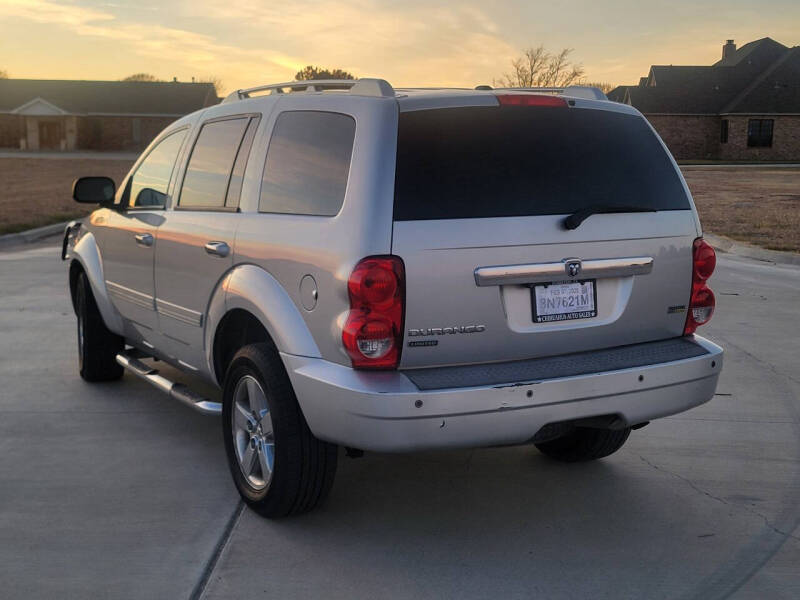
[32, 235]
[728, 246]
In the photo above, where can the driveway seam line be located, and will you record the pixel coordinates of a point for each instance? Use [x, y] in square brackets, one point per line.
[211, 565]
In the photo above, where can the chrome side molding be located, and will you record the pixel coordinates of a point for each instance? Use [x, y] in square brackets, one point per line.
[178, 391]
[569, 268]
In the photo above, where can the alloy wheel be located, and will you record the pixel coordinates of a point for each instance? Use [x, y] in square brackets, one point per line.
[253, 437]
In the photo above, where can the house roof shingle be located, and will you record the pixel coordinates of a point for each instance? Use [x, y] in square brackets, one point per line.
[777, 90]
[109, 97]
[761, 76]
[618, 93]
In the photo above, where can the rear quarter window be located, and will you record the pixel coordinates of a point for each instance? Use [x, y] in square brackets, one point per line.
[506, 161]
[307, 163]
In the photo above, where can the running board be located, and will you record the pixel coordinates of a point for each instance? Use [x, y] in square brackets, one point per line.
[178, 391]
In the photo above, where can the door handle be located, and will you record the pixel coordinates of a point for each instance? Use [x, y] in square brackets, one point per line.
[144, 239]
[218, 249]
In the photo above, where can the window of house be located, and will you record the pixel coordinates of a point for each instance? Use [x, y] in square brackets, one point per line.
[723, 131]
[205, 185]
[136, 130]
[759, 133]
[148, 185]
[307, 164]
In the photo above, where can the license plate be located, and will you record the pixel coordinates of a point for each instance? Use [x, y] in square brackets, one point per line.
[564, 301]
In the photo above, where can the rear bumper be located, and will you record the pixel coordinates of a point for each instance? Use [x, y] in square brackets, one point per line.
[387, 412]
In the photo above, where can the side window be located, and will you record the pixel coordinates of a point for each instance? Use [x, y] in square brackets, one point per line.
[148, 185]
[307, 164]
[213, 177]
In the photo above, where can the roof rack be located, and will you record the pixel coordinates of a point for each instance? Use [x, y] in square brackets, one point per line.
[579, 91]
[377, 88]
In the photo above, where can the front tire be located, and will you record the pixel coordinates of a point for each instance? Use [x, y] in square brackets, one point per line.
[97, 345]
[584, 443]
[278, 466]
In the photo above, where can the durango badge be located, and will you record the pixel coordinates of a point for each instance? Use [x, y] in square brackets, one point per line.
[447, 330]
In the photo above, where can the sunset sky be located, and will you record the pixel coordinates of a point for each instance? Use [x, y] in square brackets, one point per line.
[245, 42]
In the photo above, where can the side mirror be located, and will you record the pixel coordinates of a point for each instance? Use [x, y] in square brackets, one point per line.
[94, 190]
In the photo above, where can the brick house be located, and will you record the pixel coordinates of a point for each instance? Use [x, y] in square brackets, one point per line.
[93, 115]
[745, 107]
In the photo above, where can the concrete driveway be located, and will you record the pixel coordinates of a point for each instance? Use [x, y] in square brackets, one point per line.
[113, 491]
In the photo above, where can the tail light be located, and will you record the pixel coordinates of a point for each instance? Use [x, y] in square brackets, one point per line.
[530, 100]
[373, 332]
[702, 302]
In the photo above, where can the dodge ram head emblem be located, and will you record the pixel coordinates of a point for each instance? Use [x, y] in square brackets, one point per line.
[573, 267]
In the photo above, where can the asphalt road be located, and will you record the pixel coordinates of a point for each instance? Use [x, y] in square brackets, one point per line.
[114, 491]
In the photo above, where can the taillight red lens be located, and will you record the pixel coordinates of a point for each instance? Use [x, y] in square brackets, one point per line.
[373, 282]
[530, 100]
[373, 332]
[705, 259]
[702, 301]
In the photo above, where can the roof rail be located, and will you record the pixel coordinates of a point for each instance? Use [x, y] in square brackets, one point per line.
[377, 88]
[579, 91]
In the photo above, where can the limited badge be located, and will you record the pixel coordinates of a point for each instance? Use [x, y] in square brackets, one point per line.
[417, 343]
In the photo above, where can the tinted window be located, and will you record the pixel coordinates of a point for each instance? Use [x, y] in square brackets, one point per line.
[148, 186]
[515, 161]
[237, 175]
[307, 163]
[205, 184]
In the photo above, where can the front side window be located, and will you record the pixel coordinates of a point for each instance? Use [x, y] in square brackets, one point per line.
[148, 185]
[759, 133]
[205, 184]
[307, 164]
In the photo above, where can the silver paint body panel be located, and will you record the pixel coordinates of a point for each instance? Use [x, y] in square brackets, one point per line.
[382, 411]
[171, 297]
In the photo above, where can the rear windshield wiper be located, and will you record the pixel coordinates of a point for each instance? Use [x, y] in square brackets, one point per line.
[579, 216]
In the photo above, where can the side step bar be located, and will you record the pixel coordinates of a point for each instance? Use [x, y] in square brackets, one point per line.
[178, 391]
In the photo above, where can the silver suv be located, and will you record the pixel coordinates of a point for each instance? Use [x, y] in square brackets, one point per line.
[400, 269]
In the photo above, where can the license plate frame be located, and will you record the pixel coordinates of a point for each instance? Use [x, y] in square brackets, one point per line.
[567, 315]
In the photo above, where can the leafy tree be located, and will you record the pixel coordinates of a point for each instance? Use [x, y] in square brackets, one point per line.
[313, 72]
[539, 68]
[3, 74]
[141, 77]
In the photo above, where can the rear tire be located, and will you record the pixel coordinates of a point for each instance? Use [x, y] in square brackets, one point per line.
[97, 345]
[278, 466]
[583, 444]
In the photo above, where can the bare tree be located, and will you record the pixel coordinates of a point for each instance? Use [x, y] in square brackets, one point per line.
[312, 72]
[141, 77]
[215, 81]
[3, 74]
[539, 68]
[602, 85]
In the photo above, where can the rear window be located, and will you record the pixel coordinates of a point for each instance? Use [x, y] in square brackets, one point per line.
[205, 184]
[480, 162]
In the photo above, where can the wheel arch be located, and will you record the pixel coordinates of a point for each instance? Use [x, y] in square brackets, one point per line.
[86, 259]
[251, 306]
